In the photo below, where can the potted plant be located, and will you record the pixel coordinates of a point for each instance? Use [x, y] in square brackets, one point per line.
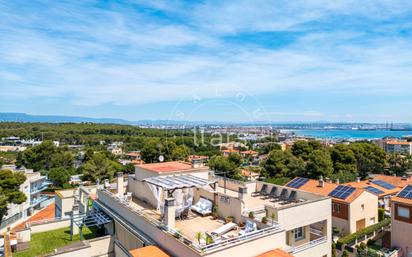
[264, 220]
[177, 234]
[209, 240]
[229, 219]
[214, 212]
[199, 236]
[241, 224]
[251, 215]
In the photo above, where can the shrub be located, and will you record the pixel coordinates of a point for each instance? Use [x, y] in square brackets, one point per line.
[251, 215]
[371, 242]
[345, 254]
[264, 220]
[381, 214]
[366, 231]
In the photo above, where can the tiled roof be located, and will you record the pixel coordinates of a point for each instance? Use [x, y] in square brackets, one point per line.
[312, 186]
[249, 152]
[394, 180]
[45, 214]
[366, 183]
[398, 143]
[148, 251]
[166, 166]
[275, 253]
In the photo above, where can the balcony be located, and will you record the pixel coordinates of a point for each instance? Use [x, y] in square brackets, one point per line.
[38, 200]
[41, 187]
[308, 245]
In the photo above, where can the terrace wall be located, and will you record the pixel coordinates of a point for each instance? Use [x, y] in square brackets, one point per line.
[102, 246]
[49, 225]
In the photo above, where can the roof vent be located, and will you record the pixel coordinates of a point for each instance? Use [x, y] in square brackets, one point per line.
[321, 182]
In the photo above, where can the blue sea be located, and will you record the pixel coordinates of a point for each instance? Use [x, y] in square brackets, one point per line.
[351, 134]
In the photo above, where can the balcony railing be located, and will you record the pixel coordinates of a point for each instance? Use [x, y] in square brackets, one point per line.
[38, 200]
[40, 188]
[300, 248]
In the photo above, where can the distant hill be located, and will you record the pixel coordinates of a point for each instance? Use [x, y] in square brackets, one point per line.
[23, 117]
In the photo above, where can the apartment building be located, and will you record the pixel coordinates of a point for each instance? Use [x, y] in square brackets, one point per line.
[352, 208]
[32, 188]
[383, 186]
[395, 146]
[188, 212]
[401, 230]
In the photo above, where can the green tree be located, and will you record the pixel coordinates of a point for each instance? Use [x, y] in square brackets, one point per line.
[370, 158]
[151, 151]
[304, 149]
[343, 159]
[10, 190]
[224, 167]
[319, 164]
[267, 148]
[345, 254]
[334, 249]
[180, 153]
[60, 175]
[129, 168]
[39, 157]
[235, 158]
[100, 167]
[62, 159]
[283, 164]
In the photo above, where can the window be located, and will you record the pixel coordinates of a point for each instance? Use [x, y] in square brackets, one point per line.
[299, 233]
[372, 221]
[362, 207]
[336, 207]
[403, 212]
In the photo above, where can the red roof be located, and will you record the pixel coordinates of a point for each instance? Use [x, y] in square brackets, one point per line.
[45, 214]
[148, 251]
[166, 166]
[275, 253]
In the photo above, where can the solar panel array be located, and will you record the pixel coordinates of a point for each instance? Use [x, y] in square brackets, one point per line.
[406, 193]
[383, 184]
[298, 182]
[373, 190]
[342, 192]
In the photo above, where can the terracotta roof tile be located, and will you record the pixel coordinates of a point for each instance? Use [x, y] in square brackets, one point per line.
[312, 186]
[275, 253]
[148, 251]
[166, 166]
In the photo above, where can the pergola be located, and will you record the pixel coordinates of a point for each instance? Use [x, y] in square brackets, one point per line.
[171, 183]
[93, 218]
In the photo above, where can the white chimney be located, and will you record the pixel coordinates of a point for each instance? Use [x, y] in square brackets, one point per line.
[321, 182]
[169, 212]
[337, 181]
[120, 183]
[242, 192]
[357, 179]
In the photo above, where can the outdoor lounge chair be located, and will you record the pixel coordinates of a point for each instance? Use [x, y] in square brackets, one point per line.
[249, 228]
[273, 192]
[263, 190]
[284, 195]
[203, 207]
[223, 229]
[292, 196]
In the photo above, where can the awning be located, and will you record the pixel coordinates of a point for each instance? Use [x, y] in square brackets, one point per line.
[179, 182]
[92, 218]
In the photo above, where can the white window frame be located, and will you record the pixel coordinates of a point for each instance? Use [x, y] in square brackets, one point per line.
[299, 233]
[336, 207]
[403, 212]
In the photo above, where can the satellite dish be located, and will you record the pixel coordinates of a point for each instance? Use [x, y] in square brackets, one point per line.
[161, 158]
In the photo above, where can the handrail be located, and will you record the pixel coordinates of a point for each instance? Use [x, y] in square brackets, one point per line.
[296, 249]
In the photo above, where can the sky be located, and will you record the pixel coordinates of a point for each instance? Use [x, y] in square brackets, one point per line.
[257, 60]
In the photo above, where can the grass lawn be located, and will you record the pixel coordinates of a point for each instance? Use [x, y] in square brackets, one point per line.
[46, 242]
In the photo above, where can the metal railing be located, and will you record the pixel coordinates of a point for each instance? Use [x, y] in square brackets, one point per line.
[44, 186]
[313, 243]
[39, 200]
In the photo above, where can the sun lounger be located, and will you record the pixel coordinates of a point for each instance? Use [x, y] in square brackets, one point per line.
[203, 207]
[223, 229]
[273, 193]
[249, 227]
[263, 190]
[284, 195]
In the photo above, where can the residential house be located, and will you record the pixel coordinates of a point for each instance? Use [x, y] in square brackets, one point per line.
[401, 229]
[382, 186]
[352, 208]
[168, 204]
[396, 146]
[32, 188]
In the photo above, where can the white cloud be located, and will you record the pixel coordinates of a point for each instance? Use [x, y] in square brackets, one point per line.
[124, 56]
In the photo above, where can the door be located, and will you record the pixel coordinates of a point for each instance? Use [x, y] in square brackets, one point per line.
[360, 224]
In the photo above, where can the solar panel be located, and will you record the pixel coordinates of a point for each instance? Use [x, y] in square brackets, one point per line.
[298, 182]
[342, 192]
[383, 184]
[373, 190]
[406, 193]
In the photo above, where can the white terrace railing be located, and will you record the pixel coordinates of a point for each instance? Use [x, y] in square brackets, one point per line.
[313, 243]
[200, 248]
